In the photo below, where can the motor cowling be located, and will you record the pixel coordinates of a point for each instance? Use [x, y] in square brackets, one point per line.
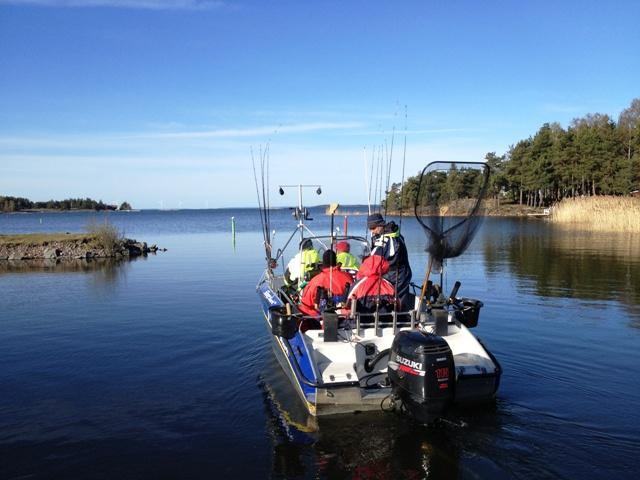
[422, 373]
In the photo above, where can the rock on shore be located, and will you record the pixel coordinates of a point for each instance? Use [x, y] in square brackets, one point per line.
[73, 249]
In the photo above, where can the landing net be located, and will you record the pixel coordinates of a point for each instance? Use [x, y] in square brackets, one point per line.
[449, 206]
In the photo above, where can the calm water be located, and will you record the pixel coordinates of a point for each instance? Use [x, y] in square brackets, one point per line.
[162, 368]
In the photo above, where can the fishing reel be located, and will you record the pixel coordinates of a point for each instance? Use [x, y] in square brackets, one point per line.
[301, 213]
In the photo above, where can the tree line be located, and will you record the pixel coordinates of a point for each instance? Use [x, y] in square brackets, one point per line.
[595, 155]
[16, 204]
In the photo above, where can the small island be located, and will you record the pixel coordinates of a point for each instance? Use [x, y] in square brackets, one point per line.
[62, 246]
[102, 240]
[19, 204]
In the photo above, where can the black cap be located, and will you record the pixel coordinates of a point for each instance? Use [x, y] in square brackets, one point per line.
[375, 220]
[329, 259]
[306, 244]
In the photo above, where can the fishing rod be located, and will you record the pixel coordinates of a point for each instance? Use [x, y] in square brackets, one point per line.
[264, 206]
[366, 184]
[268, 203]
[381, 170]
[389, 163]
[373, 153]
[404, 159]
[265, 196]
[260, 204]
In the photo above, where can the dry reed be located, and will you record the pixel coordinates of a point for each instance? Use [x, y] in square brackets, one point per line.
[105, 234]
[599, 213]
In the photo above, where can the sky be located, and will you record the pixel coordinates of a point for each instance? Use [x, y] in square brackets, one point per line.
[162, 103]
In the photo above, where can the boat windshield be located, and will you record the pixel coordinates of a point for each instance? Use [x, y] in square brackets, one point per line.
[358, 247]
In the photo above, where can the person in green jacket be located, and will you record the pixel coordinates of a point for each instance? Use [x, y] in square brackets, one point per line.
[302, 266]
[345, 258]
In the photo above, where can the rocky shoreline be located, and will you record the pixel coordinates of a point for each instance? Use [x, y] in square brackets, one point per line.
[73, 248]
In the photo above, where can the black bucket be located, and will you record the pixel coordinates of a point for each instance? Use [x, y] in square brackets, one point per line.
[470, 312]
[283, 325]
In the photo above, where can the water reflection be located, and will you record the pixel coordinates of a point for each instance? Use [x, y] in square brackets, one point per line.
[105, 271]
[556, 262]
[372, 445]
[378, 445]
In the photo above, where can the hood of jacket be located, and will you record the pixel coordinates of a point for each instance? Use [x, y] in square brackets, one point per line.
[373, 265]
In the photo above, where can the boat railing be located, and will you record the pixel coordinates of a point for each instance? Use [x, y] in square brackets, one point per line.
[348, 319]
[361, 321]
[380, 320]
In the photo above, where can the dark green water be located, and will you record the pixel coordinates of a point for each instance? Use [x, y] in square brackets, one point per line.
[161, 367]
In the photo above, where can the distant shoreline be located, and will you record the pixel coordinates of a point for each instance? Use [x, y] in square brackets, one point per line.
[490, 210]
[505, 210]
[62, 210]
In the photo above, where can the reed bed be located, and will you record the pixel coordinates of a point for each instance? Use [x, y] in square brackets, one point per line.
[599, 213]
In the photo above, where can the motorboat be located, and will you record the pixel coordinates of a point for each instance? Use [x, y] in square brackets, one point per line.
[419, 360]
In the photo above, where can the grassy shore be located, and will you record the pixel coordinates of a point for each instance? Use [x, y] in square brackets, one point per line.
[599, 213]
[102, 241]
[44, 238]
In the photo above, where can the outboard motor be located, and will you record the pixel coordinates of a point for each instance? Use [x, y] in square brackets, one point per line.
[422, 373]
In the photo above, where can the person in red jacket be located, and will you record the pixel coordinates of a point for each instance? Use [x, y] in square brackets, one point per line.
[371, 291]
[330, 286]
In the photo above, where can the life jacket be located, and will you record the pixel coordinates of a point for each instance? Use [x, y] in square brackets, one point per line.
[391, 246]
[310, 259]
[347, 260]
[301, 267]
[333, 281]
[373, 292]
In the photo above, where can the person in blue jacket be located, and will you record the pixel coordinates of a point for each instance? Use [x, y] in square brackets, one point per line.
[387, 242]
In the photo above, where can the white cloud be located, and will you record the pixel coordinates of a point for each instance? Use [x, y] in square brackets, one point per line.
[145, 140]
[136, 4]
[183, 166]
[258, 131]
[426, 131]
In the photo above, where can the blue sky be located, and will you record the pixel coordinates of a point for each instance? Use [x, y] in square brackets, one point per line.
[159, 102]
